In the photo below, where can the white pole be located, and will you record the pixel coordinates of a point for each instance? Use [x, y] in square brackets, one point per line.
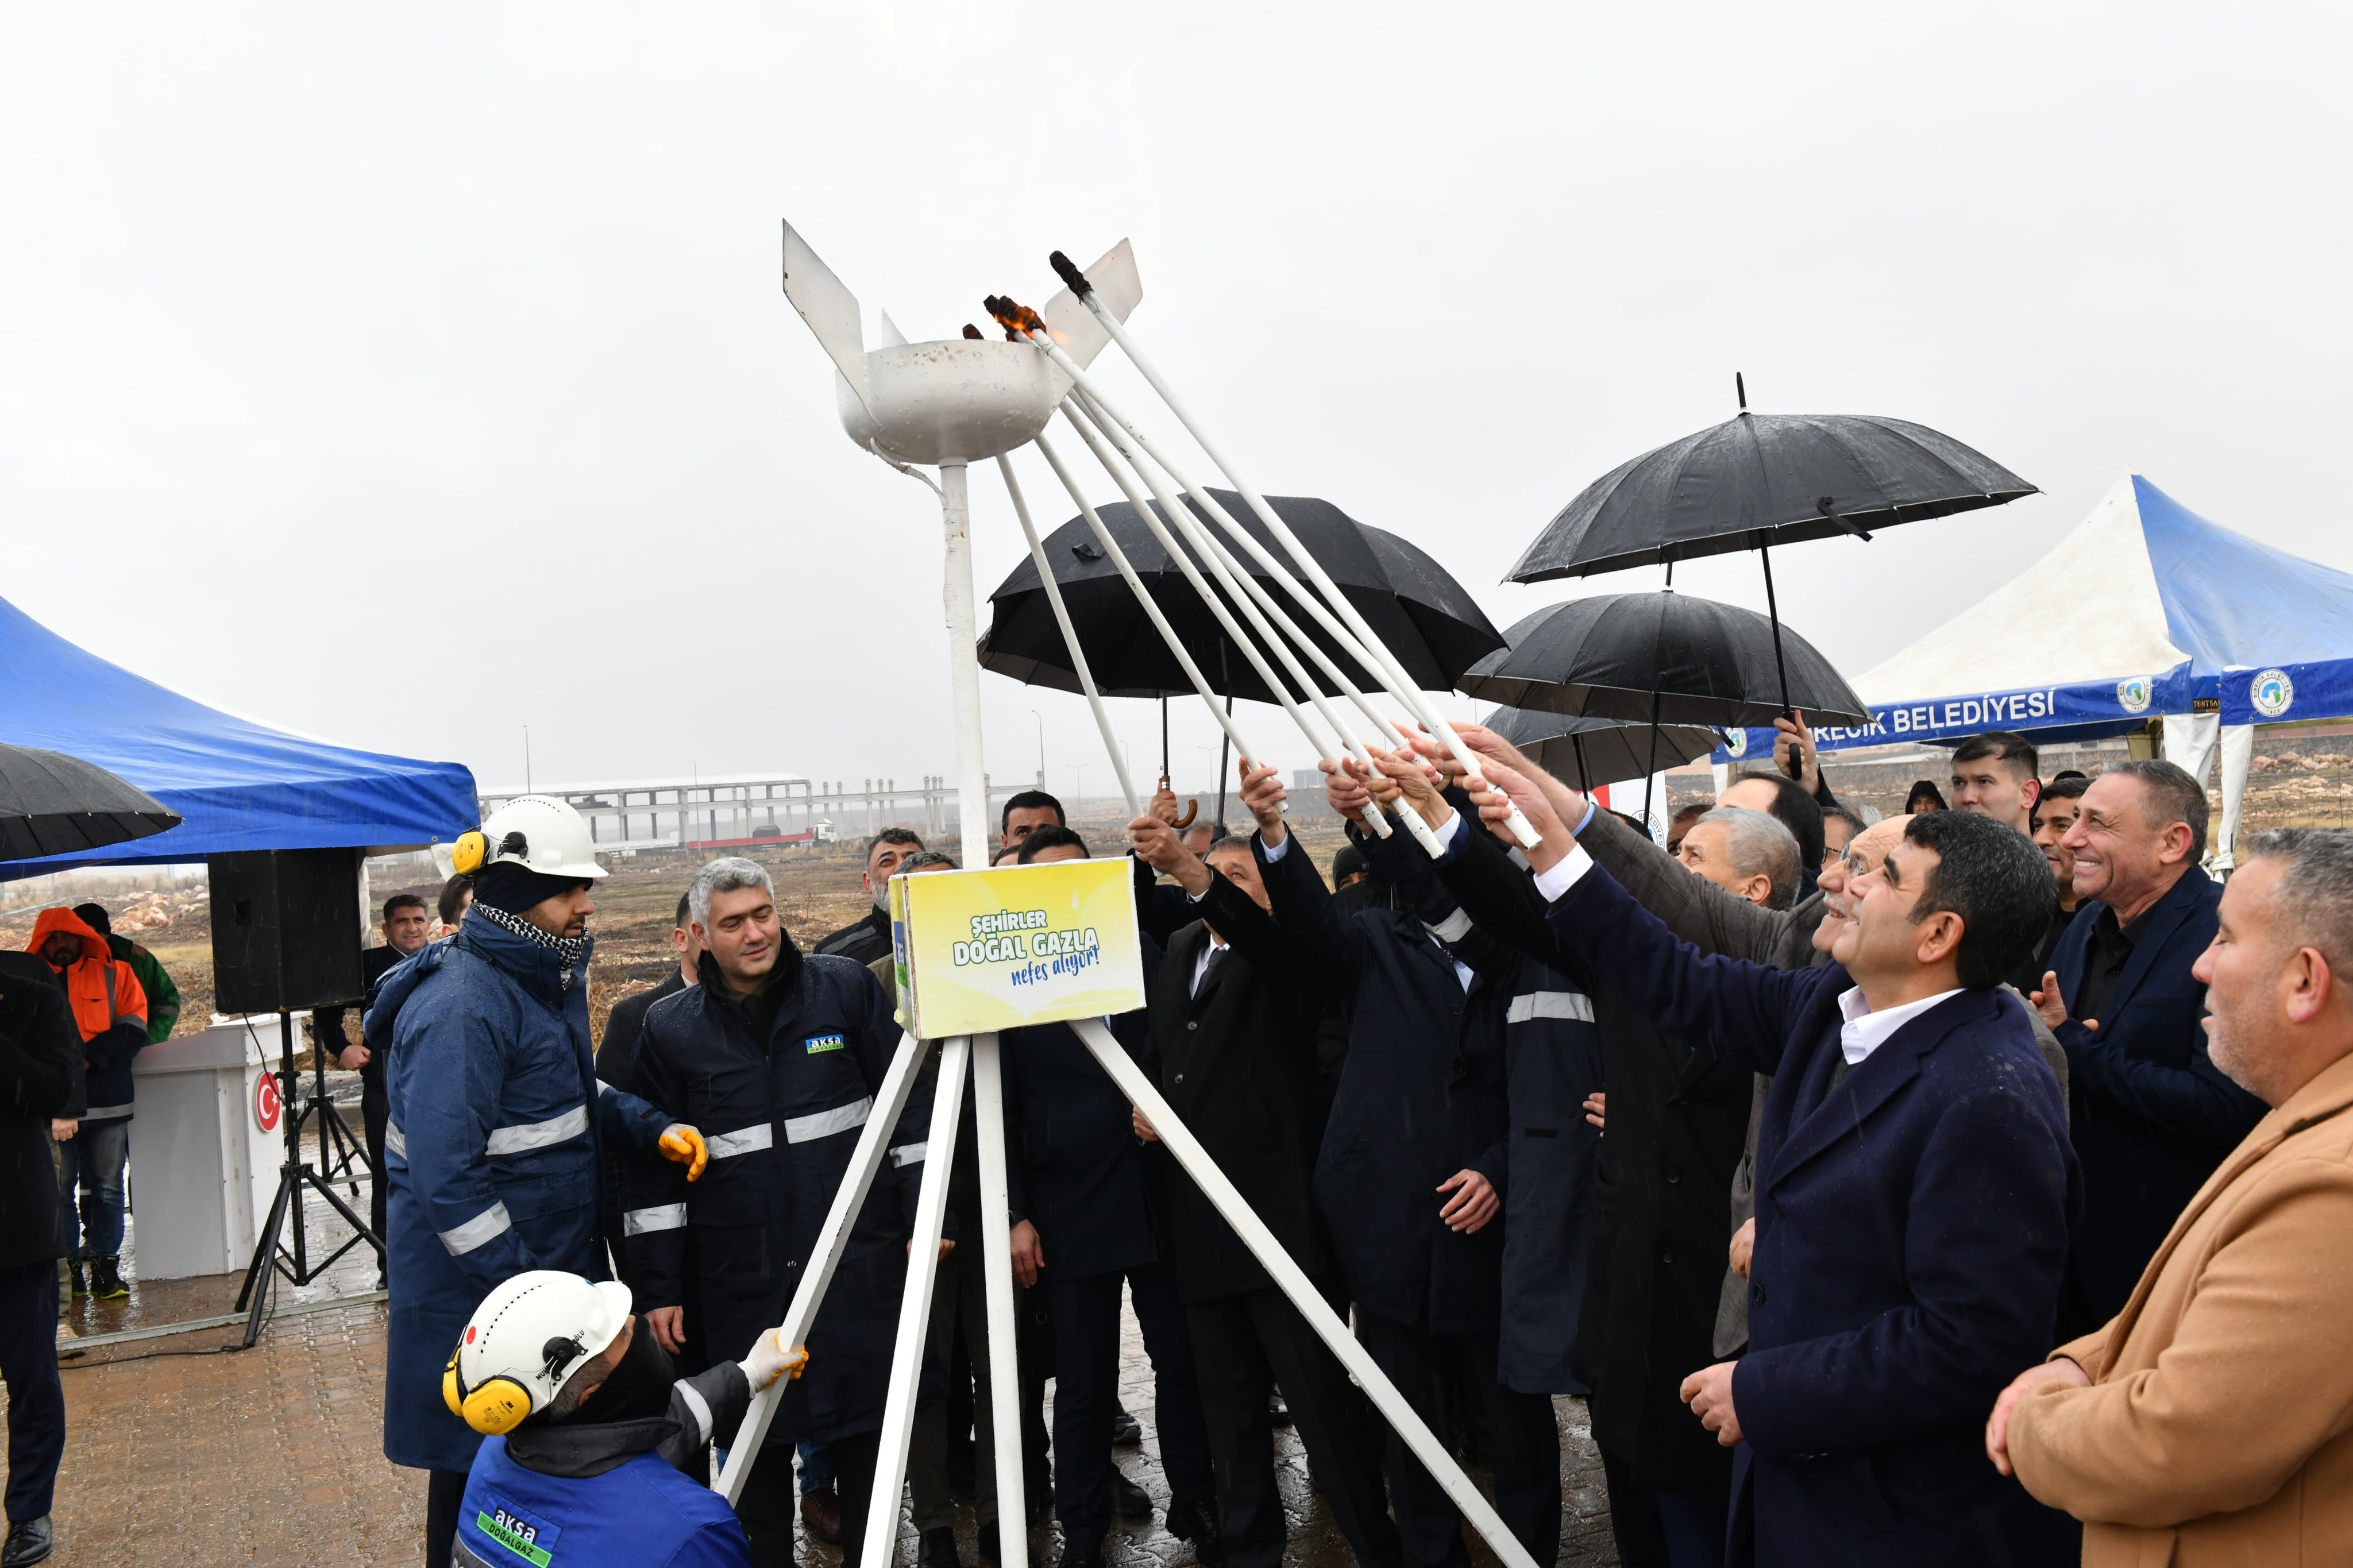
[1100, 439]
[996, 1256]
[915, 1306]
[1294, 1283]
[1069, 633]
[1373, 655]
[963, 663]
[1184, 563]
[1268, 619]
[873, 1142]
[1142, 596]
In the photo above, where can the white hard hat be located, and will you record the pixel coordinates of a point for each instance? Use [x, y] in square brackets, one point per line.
[526, 1338]
[535, 831]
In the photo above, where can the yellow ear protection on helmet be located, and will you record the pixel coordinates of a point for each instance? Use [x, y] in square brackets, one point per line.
[501, 1403]
[472, 851]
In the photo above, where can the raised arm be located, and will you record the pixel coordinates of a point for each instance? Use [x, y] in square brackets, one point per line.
[1743, 1011]
[1324, 948]
[1695, 909]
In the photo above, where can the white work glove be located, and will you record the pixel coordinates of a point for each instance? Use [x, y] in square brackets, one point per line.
[769, 1360]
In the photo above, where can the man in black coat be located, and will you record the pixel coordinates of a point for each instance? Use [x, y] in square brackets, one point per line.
[1412, 1172]
[867, 938]
[40, 1061]
[1677, 1126]
[1083, 1206]
[2151, 1115]
[1233, 1045]
[616, 1059]
[408, 927]
[778, 1056]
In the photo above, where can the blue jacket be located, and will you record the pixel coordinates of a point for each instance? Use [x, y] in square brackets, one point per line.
[1911, 1233]
[2153, 1116]
[492, 1155]
[619, 1494]
[783, 1115]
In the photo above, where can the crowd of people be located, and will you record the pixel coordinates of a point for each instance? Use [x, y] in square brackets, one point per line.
[1959, 1186]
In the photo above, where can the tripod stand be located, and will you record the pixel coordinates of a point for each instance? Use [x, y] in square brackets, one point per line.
[293, 1176]
[349, 1151]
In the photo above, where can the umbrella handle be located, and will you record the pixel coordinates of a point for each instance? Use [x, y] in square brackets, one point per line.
[1192, 809]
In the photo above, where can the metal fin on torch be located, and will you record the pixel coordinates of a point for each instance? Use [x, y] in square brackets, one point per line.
[892, 338]
[1116, 288]
[828, 307]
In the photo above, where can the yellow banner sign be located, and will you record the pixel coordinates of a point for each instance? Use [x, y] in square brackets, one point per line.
[983, 951]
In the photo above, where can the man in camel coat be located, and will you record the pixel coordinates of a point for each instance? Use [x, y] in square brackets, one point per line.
[2211, 1420]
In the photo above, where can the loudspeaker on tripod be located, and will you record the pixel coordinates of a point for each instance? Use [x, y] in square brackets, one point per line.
[286, 928]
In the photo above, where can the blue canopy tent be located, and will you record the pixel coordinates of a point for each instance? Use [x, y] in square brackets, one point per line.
[2145, 612]
[238, 784]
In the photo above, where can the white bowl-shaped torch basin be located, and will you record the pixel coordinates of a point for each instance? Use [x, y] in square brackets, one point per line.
[958, 401]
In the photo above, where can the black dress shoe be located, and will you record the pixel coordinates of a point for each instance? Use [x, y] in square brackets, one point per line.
[1127, 1500]
[1126, 1431]
[939, 1549]
[984, 1543]
[1082, 1554]
[29, 1541]
[1197, 1523]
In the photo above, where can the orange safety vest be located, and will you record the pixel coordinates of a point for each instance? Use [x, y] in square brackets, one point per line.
[100, 988]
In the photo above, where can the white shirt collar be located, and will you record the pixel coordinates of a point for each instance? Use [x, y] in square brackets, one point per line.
[1865, 1031]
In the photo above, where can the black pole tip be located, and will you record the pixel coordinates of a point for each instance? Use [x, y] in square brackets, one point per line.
[1068, 271]
[1740, 390]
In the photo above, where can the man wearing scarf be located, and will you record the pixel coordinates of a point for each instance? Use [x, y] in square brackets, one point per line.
[493, 1158]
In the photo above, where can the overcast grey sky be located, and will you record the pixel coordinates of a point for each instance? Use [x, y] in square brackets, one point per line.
[406, 377]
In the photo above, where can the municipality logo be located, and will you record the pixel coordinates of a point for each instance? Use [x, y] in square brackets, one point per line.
[2132, 694]
[2271, 693]
[1736, 742]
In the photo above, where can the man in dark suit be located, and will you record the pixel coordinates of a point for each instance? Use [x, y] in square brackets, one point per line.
[407, 929]
[1232, 1044]
[1084, 1223]
[1412, 1178]
[2153, 1115]
[1914, 1190]
[867, 938]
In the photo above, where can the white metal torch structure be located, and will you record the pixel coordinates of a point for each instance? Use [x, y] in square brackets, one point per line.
[948, 404]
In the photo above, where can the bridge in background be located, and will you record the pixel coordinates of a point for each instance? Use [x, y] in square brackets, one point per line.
[718, 809]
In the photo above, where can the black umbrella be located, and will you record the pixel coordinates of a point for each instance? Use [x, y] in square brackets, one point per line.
[1666, 658]
[1585, 753]
[51, 804]
[1430, 625]
[1761, 479]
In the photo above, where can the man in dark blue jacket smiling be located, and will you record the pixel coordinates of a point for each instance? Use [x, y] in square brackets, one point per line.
[2153, 1116]
[1914, 1190]
[780, 1055]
